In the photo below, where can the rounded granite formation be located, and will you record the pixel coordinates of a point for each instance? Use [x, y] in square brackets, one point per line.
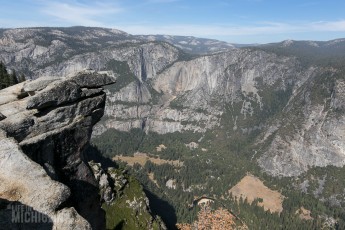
[45, 125]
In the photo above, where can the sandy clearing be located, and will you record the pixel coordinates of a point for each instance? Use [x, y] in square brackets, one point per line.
[251, 187]
[142, 158]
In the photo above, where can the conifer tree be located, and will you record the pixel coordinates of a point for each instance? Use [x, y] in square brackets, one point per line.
[13, 78]
[7, 79]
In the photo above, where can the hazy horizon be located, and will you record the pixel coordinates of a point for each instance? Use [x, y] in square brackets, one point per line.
[256, 43]
[233, 21]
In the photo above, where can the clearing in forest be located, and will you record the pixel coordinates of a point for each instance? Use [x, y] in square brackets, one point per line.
[151, 176]
[251, 187]
[160, 147]
[142, 158]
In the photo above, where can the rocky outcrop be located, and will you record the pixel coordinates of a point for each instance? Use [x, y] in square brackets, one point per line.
[47, 126]
[25, 181]
[123, 193]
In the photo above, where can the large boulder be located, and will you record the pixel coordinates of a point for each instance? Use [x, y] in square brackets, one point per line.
[45, 126]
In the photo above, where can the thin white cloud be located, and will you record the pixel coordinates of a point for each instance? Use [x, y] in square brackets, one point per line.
[162, 1]
[78, 13]
[335, 26]
[265, 28]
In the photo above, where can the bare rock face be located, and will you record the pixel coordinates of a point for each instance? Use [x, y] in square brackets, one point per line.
[192, 94]
[338, 98]
[43, 138]
[311, 132]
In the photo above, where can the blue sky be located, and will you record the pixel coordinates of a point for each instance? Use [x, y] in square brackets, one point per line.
[236, 21]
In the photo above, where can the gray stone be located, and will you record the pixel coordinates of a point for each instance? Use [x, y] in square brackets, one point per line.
[90, 92]
[92, 80]
[11, 93]
[39, 84]
[55, 94]
[43, 138]
[27, 182]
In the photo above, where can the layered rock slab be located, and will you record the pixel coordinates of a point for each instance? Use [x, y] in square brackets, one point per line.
[44, 137]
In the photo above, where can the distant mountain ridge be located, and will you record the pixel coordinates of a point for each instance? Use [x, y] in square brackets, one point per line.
[191, 44]
[311, 52]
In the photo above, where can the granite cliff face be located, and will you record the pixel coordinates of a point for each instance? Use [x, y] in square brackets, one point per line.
[162, 89]
[47, 126]
[311, 130]
[193, 95]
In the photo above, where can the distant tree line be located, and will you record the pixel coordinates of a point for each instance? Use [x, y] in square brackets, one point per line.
[8, 79]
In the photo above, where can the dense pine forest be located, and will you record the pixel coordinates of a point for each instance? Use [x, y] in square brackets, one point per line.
[211, 170]
[7, 79]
